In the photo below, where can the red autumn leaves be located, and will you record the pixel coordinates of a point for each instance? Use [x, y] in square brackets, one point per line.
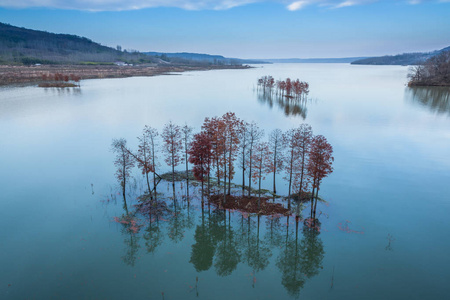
[227, 142]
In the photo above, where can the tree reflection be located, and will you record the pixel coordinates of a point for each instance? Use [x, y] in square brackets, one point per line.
[436, 99]
[203, 250]
[132, 247]
[222, 239]
[290, 106]
[227, 253]
[300, 261]
[256, 253]
[153, 236]
[179, 222]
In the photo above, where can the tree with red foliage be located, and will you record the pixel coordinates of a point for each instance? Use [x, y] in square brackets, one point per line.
[319, 166]
[232, 128]
[200, 156]
[172, 147]
[212, 128]
[124, 162]
[304, 137]
[288, 86]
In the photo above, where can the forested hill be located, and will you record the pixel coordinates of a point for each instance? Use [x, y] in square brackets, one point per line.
[400, 59]
[205, 58]
[26, 46]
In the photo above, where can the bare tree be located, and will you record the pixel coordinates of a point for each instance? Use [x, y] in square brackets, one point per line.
[254, 135]
[243, 138]
[172, 147]
[187, 138]
[276, 147]
[124, 162]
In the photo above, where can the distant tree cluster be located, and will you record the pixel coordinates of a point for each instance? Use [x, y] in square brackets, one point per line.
[227, 142]
[285, 88]
[433, 72]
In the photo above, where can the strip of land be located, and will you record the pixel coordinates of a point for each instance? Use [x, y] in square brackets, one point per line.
[34, 74]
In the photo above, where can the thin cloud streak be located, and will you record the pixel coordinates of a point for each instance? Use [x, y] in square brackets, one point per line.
[119, 5]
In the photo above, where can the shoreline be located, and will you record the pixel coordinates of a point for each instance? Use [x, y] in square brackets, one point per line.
[10, 75]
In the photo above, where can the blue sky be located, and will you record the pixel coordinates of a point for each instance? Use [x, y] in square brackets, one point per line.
[245, 28]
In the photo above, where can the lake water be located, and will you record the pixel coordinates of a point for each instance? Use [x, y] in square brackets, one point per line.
[385, 229]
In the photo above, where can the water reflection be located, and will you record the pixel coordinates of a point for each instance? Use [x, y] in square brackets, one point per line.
[300, 261]
[223, 239]
[436, 99]
[291, 106]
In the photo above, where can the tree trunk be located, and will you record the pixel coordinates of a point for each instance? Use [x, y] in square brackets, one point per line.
[187, 170]
[301, 177]
[312, 198]
[224, 175]
[250, 171]
[315, 204]
[259, 187]
[274, 169]
[229, 166]
[154, 167]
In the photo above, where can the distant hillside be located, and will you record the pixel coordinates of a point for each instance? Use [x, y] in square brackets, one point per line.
[26, 46]
[206, 58]
[400, 59]
[314, 60]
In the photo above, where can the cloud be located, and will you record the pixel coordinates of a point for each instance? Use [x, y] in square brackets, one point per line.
[345, 4]
[118, 5]
[297, 5]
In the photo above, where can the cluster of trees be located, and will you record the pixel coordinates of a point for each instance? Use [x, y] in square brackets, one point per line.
[226, 143]
[433, 72]
[61, 77]
[285, 88]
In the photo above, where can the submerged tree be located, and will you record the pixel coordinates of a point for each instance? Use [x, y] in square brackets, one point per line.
[172, 147]
[146, 154]
[303, 146]
[152, 135]
[187, 137]
[233, 126]
[124, 162]
[200, 156]
[243, 145]
[276, 147]
[319, 166]
[290, 141]
[262, 165]
[254, 135]
[211, 128]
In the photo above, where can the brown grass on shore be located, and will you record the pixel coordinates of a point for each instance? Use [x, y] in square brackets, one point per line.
[34, 74]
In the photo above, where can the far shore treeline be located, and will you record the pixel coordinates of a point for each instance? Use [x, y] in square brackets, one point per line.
[224, 145]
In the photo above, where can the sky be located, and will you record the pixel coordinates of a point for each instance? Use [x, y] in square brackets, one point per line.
[245, 28]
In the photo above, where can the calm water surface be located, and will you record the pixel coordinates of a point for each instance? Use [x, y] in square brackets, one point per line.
[390, 189]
